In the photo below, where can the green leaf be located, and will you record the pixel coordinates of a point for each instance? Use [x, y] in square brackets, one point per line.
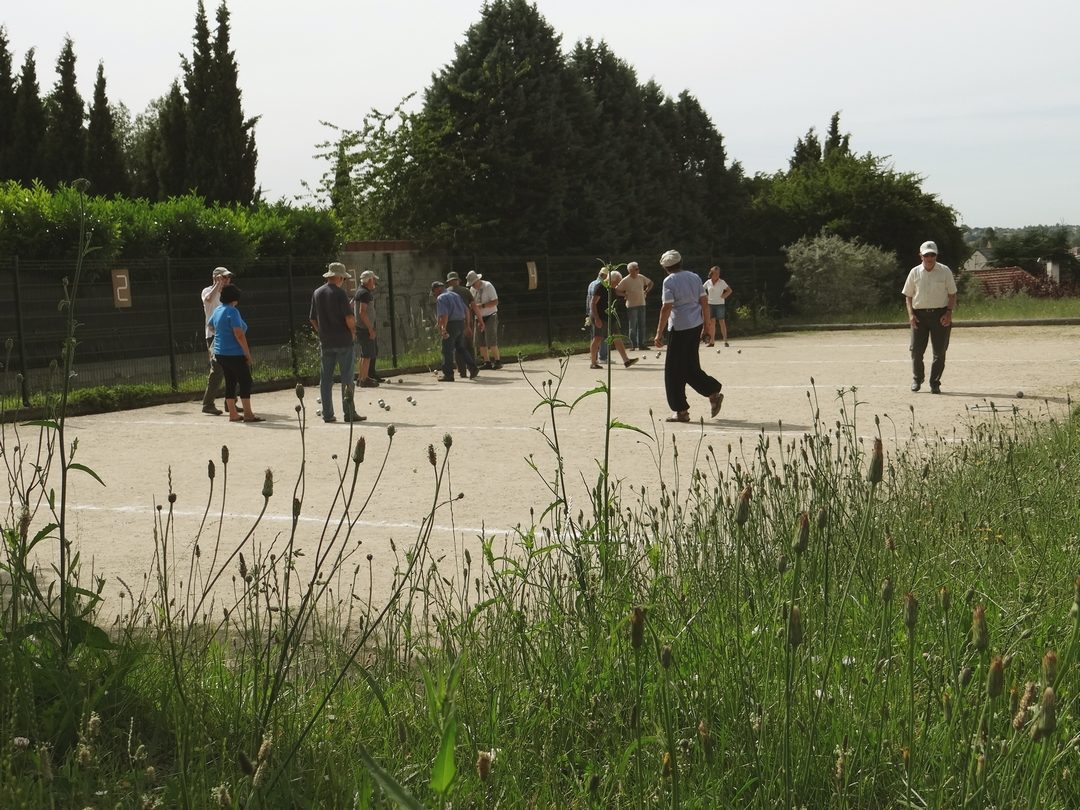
[444, 770]
[376, 689]
[89, 635]
[76, 466]
[45, 423]
[41, 535]
[394, 790]
[600, 389]
[617, 425]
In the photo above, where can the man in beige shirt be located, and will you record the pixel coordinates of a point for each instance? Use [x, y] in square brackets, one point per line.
[930, 297]
[634, 287]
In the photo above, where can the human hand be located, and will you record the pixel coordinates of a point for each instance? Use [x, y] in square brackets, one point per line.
[659, 342]
[913, 320]
[946, 319]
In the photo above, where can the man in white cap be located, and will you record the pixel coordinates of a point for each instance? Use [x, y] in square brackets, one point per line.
[487, 301]
[685, 308]
[364, 313]
[332, 319]
[634, 287]
[930, 296]
[211, 297]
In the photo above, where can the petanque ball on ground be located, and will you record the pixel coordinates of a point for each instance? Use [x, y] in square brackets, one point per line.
[1019, 394]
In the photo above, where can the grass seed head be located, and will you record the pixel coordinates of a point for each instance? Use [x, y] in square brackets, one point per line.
[268, 483]
[668, 765]
[431, 454]
[1046, 723]
[358, 451]
[802, 534]
[781, 564]
[1023, 710]
[299, 391]
[225, 454]
[1049, 667]
[965, 676]
[995, 681]
[637, 627]
[945, 599]
[665, 656]
[877, 463]
[483, 765]
[742, 511]
[795, 627]
[245, 764]
[980, 635]
[886, 590]
[911, 611]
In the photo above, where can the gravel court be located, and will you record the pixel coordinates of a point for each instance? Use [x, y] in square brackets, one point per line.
[494, 429]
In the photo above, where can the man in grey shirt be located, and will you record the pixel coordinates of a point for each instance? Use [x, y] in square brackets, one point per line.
[332, 319]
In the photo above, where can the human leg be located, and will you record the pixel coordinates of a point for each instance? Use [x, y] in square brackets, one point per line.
[920, 335]
[491, 339]
[213, 380]
[723, 330]
[448, 350]
[939, 345]
[230, 372]
[680, 342]
[636, 317]
[327, 361]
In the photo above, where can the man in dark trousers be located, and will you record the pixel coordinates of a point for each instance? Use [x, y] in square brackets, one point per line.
[930, 297]
[685, 308]
[332, 319]
[450, 316]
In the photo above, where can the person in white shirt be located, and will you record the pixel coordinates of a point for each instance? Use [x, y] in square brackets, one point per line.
[930, 296]
[634, 287]
[211, 297]
[718, 292]
[487, 300]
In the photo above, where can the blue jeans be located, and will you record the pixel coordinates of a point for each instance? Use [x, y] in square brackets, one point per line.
[342, 358]
[636, 326]
[454, 343]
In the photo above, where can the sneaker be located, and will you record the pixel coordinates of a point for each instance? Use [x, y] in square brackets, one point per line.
[329, 419]
[681, 416]
[446, 379]
[935, 389]
[915, 386]
[212, 410]
[487, 365]
[496, 365]
[595, 365]
[727, 345]
[472, 373]
[367, 382]
[355, 418]
[631, 361]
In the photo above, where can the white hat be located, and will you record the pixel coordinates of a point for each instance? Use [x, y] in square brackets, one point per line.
[928, 247]
[368, 274]
[336, 269]
[671, 258]
[473, 277]
[222, 271]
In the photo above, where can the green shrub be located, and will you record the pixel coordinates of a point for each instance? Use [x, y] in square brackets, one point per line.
[833, 274]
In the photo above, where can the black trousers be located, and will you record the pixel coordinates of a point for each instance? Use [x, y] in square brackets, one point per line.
[929, 330]
[237, 375]
[682, 367]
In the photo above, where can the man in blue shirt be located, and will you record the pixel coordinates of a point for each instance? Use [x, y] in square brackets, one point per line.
[450, 312]
[685, 309]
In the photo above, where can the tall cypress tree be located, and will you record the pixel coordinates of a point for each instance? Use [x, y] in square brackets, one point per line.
[7, 104]
[27, 127]
[199, 85]
[172, 149]
[232, 143]
[104, 159]
[65, 130]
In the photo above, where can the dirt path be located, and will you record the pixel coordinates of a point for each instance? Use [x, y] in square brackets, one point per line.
[493, 425]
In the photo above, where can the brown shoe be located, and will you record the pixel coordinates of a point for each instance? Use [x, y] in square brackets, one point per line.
[715, 401]
[631, 361]
[681, 416]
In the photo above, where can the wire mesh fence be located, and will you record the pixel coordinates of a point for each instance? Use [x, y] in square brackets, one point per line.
[152, 331]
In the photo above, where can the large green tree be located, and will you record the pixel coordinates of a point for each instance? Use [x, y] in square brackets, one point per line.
[7, 104]
[28, 127]
[104, 157]
[65, 130]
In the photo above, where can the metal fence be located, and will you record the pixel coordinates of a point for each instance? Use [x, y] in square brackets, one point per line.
[158, 339]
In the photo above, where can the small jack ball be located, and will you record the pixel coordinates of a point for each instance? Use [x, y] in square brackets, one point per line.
[1019, 394]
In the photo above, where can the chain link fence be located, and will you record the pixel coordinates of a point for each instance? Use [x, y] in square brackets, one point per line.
[158, 337]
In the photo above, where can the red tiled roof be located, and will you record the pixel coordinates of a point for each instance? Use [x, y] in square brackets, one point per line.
[1003, 280]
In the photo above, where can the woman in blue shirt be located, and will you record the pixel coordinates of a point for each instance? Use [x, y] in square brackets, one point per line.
[233, 353]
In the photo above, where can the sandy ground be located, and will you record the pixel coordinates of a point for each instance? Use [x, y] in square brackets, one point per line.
[493, 421]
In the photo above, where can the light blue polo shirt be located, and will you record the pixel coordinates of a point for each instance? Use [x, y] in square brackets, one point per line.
[684, 292]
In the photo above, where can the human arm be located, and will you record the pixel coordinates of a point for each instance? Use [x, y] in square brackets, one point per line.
[475, 309]
[727, 292]
[665, 313]
[442, 321]
[912, 320]
[241, 338]
[946, 319]
[594, 310]
[706, 313]
[365, 319]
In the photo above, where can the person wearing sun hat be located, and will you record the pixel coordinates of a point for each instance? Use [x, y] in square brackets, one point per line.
[685, 308]
[930, 297]
[211, 297]
[487, 302]
[450, 319]
[332, 319]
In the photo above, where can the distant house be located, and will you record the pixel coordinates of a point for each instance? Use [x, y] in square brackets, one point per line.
[980, 258]
[1003, 280]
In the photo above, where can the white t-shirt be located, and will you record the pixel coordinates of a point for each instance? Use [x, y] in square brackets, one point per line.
[211, 297]
[484, 295]
[929, 289]
[716, 291]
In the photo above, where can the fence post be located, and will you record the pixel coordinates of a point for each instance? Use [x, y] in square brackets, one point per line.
[20, 333]
[292, 319]
[547, 294]
[174, 380]
[393, 319]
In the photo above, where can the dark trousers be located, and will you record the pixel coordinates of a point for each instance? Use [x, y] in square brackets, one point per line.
[453, 343]
[929, 329]
[213, 379]
[682, 367]
[237, 375]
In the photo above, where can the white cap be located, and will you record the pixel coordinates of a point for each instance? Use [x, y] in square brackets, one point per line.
[928, 247]
[671, 258]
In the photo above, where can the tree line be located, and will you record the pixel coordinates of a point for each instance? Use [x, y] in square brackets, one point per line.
[520, 147]
[54, 138]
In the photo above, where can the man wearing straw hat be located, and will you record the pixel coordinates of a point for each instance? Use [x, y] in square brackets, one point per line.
[332, 319]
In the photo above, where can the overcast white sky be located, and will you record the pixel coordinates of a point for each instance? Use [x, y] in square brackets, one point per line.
[981, 98]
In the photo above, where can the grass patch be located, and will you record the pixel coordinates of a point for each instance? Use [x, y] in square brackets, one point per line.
[1016, 307]
[803, 620]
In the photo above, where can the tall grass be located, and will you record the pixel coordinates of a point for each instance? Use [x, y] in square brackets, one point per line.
[801, 620]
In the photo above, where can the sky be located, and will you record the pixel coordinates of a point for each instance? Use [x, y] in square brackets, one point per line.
[980, 98]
